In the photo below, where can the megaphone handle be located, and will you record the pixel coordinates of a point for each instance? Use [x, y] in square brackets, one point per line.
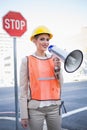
[57, 71]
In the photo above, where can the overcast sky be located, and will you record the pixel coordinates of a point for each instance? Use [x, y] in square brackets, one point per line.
[65, 18]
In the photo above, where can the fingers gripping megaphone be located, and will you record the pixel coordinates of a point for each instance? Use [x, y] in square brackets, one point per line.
[72, 60]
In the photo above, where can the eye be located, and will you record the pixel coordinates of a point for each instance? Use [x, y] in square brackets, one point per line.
[42, 39]
[47, 39]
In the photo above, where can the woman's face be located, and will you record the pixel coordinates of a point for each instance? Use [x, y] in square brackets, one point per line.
[42, 42]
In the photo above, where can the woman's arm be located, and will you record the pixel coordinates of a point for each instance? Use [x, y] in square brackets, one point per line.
[23, 89]
[57, 69]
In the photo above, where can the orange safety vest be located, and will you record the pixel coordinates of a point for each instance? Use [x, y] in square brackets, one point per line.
[43, 84]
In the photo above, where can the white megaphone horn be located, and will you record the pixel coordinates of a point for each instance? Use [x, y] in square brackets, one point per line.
[72, 60]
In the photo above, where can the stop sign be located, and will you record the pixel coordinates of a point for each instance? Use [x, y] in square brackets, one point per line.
[14, 24]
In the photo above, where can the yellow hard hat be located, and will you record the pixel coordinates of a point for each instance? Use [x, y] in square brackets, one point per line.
[40, 30]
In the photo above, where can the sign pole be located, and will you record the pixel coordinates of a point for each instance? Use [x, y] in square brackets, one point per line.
[15, 25]
[15, 81]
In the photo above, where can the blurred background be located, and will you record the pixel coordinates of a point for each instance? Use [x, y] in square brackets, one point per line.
[67, 19]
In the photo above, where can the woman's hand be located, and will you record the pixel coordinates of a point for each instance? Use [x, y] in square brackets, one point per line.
[57, 66]
[57, 62]
[24, 123]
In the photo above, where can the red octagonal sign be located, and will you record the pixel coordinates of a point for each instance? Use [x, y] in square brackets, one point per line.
[14, 24]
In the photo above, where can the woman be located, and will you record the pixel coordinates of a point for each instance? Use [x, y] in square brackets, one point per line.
[40, 81]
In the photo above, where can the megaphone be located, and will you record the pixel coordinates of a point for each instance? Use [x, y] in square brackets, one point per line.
[72, 60]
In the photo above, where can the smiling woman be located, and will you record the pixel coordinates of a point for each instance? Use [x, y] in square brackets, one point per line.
[38, 70]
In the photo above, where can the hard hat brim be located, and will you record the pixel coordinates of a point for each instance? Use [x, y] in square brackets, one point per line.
[32, 37]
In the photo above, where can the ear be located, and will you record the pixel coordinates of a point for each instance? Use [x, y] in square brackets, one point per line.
[34, 40]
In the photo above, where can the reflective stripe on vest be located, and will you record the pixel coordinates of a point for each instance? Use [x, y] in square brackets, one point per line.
[46, 78]
[43, 84]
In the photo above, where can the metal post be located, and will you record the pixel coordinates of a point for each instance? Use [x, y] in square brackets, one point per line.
[15, 81]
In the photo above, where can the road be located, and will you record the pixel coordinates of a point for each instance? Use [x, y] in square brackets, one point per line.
[75, 97]
[73, 94]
